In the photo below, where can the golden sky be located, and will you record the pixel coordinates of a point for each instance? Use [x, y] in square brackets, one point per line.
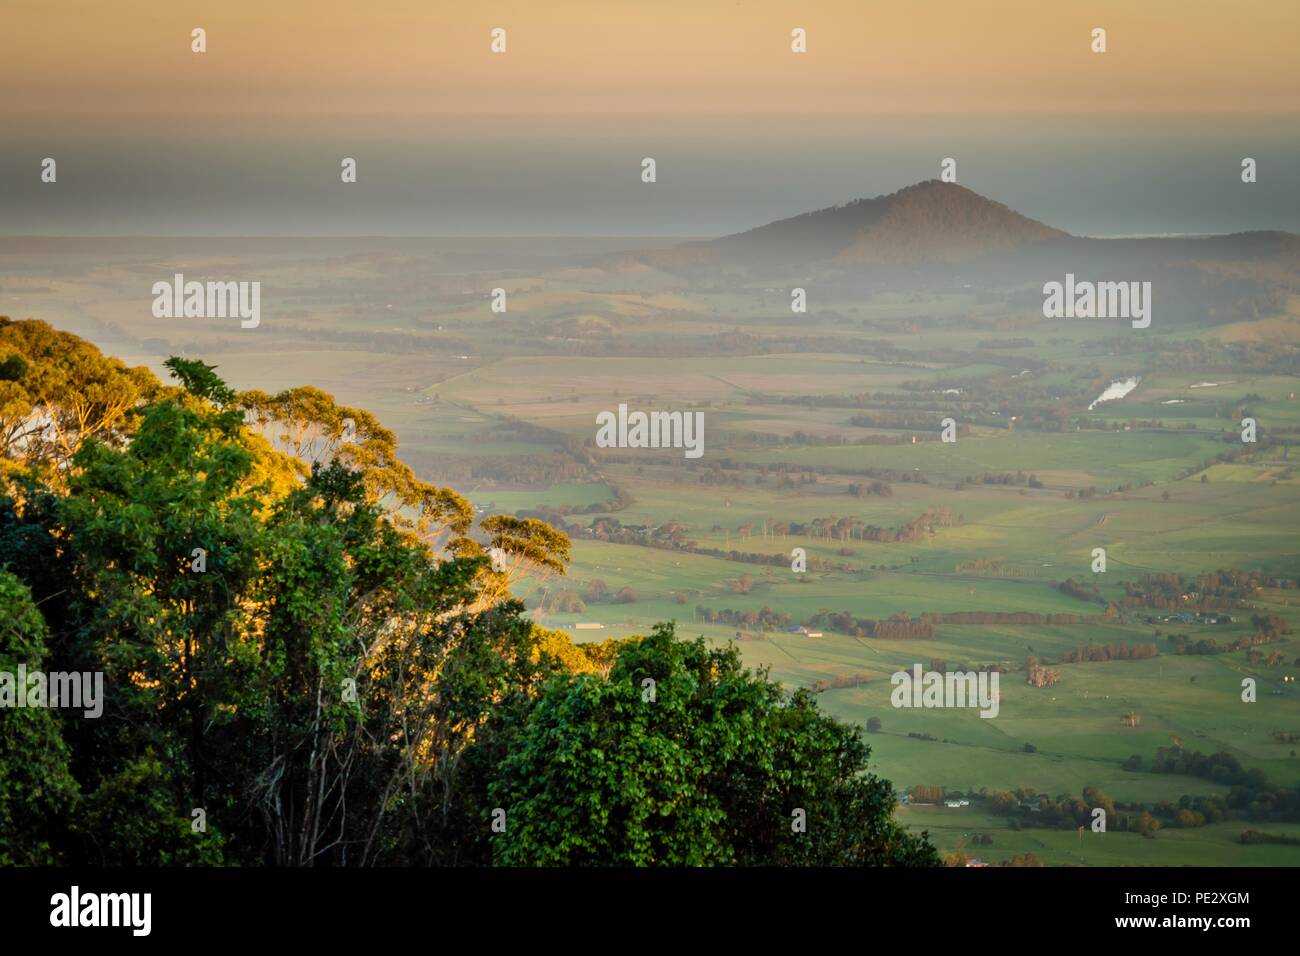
[639, 56]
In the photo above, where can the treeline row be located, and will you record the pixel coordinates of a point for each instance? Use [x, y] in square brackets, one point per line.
[1007, 617]
[1118, 651]
[620, 500]
[1080, 590]
[893, 629]
[902, 625]
[841, 529]
[764, 618]
[1183, 645]
[1019, 479]
[1217, 589]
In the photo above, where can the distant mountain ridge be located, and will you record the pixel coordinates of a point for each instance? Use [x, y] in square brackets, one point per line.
[930, 221]
[932, 224]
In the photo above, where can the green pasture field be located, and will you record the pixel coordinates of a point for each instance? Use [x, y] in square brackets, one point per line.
[1077, 458]
[572, 494]
[952, 830]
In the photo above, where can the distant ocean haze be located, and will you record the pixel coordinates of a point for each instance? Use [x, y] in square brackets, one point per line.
[579, 175]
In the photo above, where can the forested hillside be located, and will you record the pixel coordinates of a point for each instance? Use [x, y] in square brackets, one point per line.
[311, 657]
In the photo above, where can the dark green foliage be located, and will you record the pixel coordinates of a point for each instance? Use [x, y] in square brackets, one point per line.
[201, 380]
[13, 368]
[711, 771]
[37, 793]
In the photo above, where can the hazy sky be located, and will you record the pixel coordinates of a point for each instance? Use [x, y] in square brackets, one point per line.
[669, 55]
[580, 174]
[547, 138]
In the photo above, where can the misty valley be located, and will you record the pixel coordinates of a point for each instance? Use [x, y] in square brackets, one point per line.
[747, 436]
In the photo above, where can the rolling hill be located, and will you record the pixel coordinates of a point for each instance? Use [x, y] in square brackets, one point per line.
[933, 229]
